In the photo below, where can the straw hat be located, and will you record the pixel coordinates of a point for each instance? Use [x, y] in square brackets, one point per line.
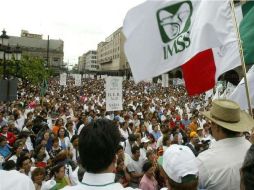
[227, 114]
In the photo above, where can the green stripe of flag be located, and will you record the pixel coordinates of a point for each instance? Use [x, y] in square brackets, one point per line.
[247, 31]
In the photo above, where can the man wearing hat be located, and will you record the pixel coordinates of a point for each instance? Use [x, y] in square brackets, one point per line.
[219, 166]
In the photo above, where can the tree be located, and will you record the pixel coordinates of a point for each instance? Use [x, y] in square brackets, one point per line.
[30, 69]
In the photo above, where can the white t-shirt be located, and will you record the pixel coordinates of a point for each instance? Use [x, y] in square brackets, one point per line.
[136, 166]
[15, 180]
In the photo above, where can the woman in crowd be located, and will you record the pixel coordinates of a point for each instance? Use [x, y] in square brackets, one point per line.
[38, 177]
[64, 140]
[17, 149]
[148, 181]
[59, 123]
[58, 174]
[56, 148]
[122, 175]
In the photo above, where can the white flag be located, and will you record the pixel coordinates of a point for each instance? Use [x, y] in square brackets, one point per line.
[63, 77]
[165, 34]
[78, 81]
[114, 95]
[239, 94]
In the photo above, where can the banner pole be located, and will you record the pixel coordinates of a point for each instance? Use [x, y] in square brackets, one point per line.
[242, 56]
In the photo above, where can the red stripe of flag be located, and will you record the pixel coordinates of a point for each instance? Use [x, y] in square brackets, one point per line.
[199, 73]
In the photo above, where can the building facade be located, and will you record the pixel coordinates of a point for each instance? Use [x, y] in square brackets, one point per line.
[34, 45]
[88, 62]
[81, 63]
[110, 54]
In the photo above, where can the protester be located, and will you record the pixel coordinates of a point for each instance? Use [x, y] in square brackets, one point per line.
[135, 167]
[122, 175]
[38, 177]
[5, 150]
[148, 181]
[10, 137]
[15, 180]
[247, 170]
[98, 142]
[181, 168]
[193, 144]
[218, 168]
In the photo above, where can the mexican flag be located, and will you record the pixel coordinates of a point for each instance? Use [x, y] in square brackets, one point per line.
[197, 35]
[245, 16]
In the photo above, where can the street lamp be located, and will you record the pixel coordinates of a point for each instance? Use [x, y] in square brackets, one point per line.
[4, 39]
[7, 54]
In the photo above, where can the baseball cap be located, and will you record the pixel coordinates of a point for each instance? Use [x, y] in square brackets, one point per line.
[180, 164]
[144, 140]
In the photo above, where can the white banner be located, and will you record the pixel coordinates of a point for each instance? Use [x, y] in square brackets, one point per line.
[78, 81]
[164, 80]
[63, 77]
[114, 95]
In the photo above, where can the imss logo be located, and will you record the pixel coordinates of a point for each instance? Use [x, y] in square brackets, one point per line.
[174, 23]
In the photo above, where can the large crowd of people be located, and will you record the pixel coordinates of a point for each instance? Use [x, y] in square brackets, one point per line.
[162, 139]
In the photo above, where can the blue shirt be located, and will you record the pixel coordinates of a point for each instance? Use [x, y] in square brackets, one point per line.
[156, 135]
[5, 151]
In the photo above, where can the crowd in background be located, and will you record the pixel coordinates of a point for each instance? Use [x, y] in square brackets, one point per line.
[39, 134]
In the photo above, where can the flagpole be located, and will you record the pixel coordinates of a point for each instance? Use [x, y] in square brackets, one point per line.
[242, 57]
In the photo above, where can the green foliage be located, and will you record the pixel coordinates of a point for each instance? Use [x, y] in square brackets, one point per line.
[29, 68]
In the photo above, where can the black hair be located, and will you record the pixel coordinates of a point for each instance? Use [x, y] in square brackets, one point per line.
[165, 139]
[56, 168]
[20, 161]
[134, 149]
[9, 165]
[73, 138]
[229, 133]
[132, 137]
[247, 169]
[2, 138]
[23, 134]
[147, 165]
[98, 143]
[119, 147]
[65, 132]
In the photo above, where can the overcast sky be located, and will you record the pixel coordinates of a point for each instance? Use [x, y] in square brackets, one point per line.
[81, 24]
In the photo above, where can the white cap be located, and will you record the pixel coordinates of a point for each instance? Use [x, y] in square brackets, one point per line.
[178, 162]
[144, 140]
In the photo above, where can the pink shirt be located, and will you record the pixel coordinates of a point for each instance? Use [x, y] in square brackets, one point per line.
[148, 184]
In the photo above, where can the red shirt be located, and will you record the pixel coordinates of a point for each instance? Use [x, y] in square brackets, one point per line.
[10, 137]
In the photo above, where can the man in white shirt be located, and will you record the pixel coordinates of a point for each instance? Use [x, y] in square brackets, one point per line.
[98, 143]
[135, 167]
[15, 180]
[219, 166]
